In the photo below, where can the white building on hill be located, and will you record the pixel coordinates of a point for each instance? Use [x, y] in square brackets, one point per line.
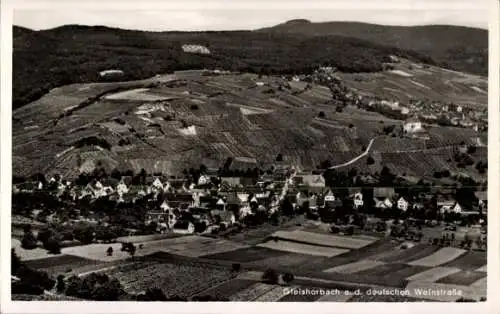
[413, 125]
[196, 49]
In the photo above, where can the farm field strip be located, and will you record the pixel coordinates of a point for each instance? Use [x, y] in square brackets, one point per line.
[248, 254]
[351, 256]
[254, 291]
[434, 274]
[471, 260]
[391, 270]
[302, 248]
[465, 278]
[404, 256]
[324, 240]
[354, 267]
[61, 263]
[480, 282]
[291, 260]
[483, 268]
[440, 257]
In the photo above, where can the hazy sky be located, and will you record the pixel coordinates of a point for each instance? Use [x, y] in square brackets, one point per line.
[224, 15]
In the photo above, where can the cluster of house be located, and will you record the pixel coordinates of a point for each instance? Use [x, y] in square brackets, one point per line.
[234, 198]
[420, 111]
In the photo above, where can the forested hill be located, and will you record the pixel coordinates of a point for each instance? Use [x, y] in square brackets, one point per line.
[460, 48]
[46, 59]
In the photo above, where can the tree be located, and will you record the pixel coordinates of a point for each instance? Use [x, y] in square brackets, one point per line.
[236, 267]
[279, 157]
[53, 246]
[370, 160]
[108, 290]
[287, 277]
[109, 251]
[286, 207]
[154, 294]
[321, 114]
[85, 234]
[61, 284]
[28, 242]
[270, 276]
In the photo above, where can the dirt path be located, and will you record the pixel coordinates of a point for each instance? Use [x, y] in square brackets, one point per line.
[356, 158]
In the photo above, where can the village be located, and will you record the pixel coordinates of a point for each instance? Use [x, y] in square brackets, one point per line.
[206, 202]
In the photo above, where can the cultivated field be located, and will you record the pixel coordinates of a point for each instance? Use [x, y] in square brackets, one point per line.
[173, 279]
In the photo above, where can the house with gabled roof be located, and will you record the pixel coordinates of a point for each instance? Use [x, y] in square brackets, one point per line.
[358, 200]
[204, 180]
[403, 204]
[122, 188]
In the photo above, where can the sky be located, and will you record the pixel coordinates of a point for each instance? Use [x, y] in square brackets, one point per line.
[222, 15]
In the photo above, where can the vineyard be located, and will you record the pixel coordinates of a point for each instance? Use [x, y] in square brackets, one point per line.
[174, 280]
[142, 124]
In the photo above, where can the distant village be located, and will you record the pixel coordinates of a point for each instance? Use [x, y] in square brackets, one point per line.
[416, 112]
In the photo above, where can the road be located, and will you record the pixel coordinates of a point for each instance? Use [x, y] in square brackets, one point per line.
[356, 158]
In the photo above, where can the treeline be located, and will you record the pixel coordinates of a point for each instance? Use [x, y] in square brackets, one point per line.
[75, 54]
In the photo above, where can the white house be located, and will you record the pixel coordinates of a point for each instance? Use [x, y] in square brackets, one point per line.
[358, 200]
[221, 204]
[196, 49]
[164, 206]
[203, 180]
[403, 204]
[121, 188]
[329, 198]
[157, 185]
[412, 125]
[457, 208]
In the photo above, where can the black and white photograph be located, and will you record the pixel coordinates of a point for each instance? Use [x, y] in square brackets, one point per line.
[250, 155]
